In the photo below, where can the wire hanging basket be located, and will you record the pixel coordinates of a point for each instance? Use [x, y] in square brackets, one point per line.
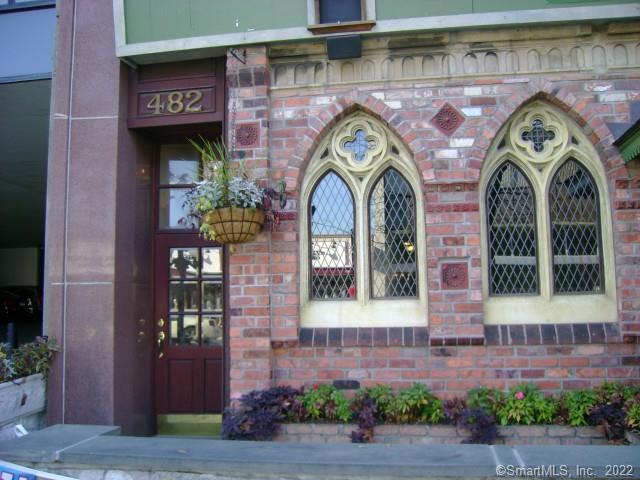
[235, 225]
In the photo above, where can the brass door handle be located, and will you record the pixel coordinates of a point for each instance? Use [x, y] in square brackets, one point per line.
[161, 337]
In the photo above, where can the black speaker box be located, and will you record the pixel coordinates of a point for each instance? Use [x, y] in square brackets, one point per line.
[345, 46]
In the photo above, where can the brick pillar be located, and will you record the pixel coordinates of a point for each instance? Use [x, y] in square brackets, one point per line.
[249, 263]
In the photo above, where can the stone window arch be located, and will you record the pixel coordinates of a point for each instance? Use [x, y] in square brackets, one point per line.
[547, 240]
[368, 258]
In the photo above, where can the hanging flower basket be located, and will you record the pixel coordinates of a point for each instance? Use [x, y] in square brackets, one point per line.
[234, 224]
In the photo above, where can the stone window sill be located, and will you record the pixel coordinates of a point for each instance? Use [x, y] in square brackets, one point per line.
[343, 27]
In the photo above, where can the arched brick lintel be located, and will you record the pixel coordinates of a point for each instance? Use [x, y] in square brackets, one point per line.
[581, 111]
[321, 125]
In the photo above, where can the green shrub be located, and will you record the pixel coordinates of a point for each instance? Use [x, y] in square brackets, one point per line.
[325, 402]
[526, 405]
[490, 399]
[415, 405]
[615, 392]
[28, 359]
[384, 398]
[633, 414]
[576, 405]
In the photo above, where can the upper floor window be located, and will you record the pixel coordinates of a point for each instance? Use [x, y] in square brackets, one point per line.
[547, 230]
[360, 243]
[338, 11]
[340, 16]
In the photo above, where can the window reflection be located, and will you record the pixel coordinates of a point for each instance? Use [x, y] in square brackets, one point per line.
[179, 164]
[392, 238]
[332, 240]
[183, 330]
[171, 209]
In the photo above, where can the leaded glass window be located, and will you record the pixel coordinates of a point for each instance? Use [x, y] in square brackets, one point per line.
[392, 237]
[331, 218]
[512, 233]
[575, 231]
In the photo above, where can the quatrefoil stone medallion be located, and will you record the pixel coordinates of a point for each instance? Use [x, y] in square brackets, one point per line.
[360, 146]
[359, 143]
[537, 135]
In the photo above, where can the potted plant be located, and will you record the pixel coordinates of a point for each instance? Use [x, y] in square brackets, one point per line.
[228, 205]
[23, 374]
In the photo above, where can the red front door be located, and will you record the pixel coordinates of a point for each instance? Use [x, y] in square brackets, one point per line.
[189, 292]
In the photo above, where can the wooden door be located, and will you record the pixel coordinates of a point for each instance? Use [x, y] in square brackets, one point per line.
[189, 292]
[190, 322]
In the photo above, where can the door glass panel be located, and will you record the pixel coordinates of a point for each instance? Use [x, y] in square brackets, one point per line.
[179, 164]
[196, 296]
[212, 330]
[184, 330]
[183, 262]
[171, 211]
[183, 296]
[211, 296]
[211, 261]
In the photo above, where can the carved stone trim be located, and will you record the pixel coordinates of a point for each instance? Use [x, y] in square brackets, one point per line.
[596, 53]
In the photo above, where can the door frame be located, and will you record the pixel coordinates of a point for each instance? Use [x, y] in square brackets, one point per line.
[193, 238]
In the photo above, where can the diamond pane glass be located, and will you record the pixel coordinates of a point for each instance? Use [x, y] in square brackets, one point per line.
[392, 237]
[575, 231]
[331, 216]
[512, 238]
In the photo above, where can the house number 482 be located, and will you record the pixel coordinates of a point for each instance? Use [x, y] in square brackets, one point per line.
[176, 102]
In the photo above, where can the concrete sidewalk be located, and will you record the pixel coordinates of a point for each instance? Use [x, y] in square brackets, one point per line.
[74, 449]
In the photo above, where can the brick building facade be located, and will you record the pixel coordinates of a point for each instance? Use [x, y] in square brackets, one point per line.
[293, 106]
[452, 109]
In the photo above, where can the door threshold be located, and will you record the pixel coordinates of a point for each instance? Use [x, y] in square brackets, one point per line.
[190, 425]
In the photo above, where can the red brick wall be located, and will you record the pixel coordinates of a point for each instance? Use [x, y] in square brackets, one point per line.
[457, 351]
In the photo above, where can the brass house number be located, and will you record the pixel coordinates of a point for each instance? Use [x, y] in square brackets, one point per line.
[176, 102]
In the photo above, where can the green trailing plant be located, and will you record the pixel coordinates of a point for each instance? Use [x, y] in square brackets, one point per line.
[526, 405]
[325, 402]
[28, 359]
[491, 399]
[415, 405]
[575, 406]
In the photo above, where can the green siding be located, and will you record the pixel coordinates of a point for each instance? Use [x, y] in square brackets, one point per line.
[394, 9]
[151, 20]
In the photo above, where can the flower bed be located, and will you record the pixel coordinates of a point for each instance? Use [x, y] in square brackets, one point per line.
[21, 402]
[442, 434]
[414, 415]
[22, 385]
